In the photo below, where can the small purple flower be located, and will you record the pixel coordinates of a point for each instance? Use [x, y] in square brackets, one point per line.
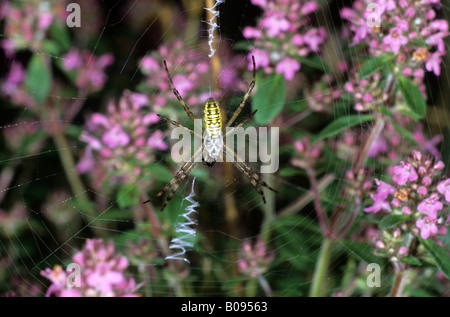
[156, 141]
[378, 204]
[314, 38]
[309, 7]
[403, 173]
[384, 189]
[275, 25]
[15, 76]
[262, 58]
[288, 67]
[395, 39]
[427, 227]
[430, 206]
[115, 137]
[72, 60]
[444, 188]
[433, 63]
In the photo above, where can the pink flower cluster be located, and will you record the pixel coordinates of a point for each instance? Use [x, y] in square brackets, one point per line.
[89, 69]
[102, 274]
[13, 86]
[26, 23]
[282, 34]
[392, 144]
[408, 28]
[417, 191]
[367, 92]
[254, 260]
[190, 70]
[322, 95]
[309, 153]
[121, 140]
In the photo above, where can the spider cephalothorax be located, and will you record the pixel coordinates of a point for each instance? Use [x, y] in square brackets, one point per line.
[212, 145]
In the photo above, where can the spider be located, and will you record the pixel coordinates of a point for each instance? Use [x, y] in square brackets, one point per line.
[213, 145]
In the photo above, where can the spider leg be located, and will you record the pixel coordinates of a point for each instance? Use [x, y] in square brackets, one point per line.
[174, 183]
[177, 124]
[181, 177]
[254, 178]
[177, 94]
[242, 123]
[247, 94]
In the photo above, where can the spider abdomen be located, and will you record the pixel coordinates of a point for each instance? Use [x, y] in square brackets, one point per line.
[213, 118]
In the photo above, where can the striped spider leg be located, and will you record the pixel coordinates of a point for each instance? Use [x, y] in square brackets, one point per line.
[175, 182]
[254, 178]
[244, 100]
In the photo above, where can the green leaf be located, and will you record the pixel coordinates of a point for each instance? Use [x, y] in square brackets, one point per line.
[439, 254]
[314, 61]
[413, 97]
[60, 33]
[51, 47]
[161, 172]
[373, 65]
[128, 195]
[38, 81]
[405, 132]
[362, 251]
[242, 45]
[342, 123]
[386, 111]
[269, 98]
[411, 260]
[390, 221]
[289, 171]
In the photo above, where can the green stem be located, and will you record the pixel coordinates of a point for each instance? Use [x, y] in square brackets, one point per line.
[251, 288]
[69, 166]
[268, 209]
[320, 271]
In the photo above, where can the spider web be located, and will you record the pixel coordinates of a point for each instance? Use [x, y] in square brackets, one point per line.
[53, 228]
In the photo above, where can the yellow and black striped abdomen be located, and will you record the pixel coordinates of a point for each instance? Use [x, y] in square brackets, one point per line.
[213, 117]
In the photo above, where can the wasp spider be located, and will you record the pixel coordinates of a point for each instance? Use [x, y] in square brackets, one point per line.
[213, 145]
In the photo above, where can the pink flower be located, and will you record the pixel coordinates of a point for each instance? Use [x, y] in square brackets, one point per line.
[402, 250]
[71, 292]
[275, 25]
[149, 64]
[444, 188]
[138, 100]
[309, 7]
[251, 32]
[104, 279]
[45, 20]
[86, 163]
[102, 273]
[150, 118]
[427, 227]
[183, 84]
[72, 60]
[433, 63]
[405, 172]
[15, 76]
[378, 204]
[395, 39]
[156, 141]
[379, 146]
[261, 3]
[384, 189]
[115, 137]
[288, 67]
[261, 58]
[430, 206]
[314, 38]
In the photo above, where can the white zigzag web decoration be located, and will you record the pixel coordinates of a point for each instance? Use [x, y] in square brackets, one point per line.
[185, 231]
